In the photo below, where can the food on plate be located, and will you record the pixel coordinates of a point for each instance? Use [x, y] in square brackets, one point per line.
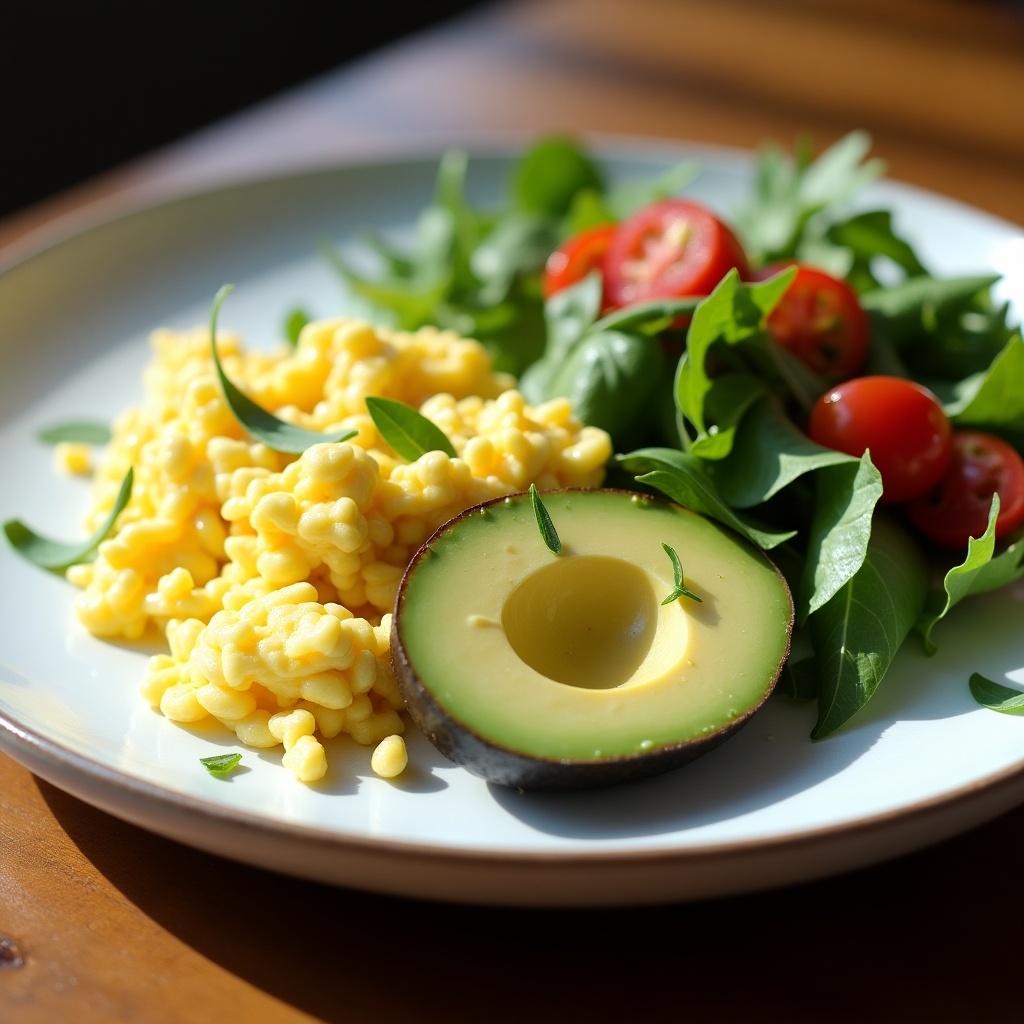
[273, 575]
[671, 248]
[900, 423]
[586, 667]
[820, 320]
[788, 370]
[958, 506]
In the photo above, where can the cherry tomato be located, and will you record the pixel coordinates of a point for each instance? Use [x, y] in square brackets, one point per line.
[820, 320]
[576, 257]
[957, 507]
[901, 422]
[670, 249]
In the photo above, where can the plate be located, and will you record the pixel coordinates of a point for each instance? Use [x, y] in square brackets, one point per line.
[769, 808]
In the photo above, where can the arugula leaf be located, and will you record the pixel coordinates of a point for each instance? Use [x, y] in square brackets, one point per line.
[857, 633]
[679, 589]
[544, 523]
[86, 433]
[263, 425]
[979, 572]
[994, 695]
[58, 556]
[406, 430]
[797, 197]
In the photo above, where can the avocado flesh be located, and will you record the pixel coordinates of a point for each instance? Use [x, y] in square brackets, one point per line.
[540, 670]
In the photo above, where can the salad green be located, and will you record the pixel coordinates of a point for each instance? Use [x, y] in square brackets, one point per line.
[705, 408]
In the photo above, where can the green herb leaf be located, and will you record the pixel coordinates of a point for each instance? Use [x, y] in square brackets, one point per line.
[857, 633]
[547, 527]
[55, 555]
[550, 174]
[994, 695]
[221, 764]
[679, 589]
[840, 532]
[85, 433]
[980, 571]
[685, 479]
[293, 324]
[408, 431]
[263, 425]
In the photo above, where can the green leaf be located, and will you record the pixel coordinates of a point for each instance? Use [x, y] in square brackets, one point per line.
[798, 680]
[293, 324]
[544, 523]
[684, 478]
[980, 571]
[221, 764]
[679, 589]
[406, 430]
[994, 695]
[551, 172]
[55, 555]
[857, 633]
[610, 378]
[265, 426]
[732, 314]
[82, 432]
[796, 198]
[994, 398]
[841, 530]
[768, 453]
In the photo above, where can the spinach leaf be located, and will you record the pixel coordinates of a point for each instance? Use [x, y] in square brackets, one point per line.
[857, 633]
[840, 533]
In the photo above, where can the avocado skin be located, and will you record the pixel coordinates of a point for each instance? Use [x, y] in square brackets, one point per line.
[505, 767]
[510, 768]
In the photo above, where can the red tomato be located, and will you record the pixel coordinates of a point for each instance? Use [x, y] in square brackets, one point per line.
[901, 422]
[670, 249]
[819, 319]
[957, 507]
[576, 257]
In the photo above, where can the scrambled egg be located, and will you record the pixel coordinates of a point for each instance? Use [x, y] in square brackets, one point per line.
[273, 576]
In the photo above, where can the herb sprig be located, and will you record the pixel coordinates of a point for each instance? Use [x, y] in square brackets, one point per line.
[265, 426]
[679, 588]
[544, 522]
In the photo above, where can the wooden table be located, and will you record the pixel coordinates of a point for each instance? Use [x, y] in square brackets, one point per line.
[89, 929]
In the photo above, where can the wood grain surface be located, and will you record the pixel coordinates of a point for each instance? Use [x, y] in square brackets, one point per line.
[102, 922]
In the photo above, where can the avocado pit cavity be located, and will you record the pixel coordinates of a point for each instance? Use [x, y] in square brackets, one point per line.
[587, 620]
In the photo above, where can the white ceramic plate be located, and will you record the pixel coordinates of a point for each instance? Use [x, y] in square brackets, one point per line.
[768, 808]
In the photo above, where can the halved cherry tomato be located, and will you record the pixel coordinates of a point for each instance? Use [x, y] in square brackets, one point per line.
[901, 422]
[576, 257]
[958, 506]
[820, 320]
[670, 249]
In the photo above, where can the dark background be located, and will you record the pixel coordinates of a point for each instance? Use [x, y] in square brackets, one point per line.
[85, 86]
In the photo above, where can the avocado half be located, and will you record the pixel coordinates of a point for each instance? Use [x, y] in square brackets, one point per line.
[545, 671]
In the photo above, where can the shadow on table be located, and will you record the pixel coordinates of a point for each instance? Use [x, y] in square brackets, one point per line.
[894, 942]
